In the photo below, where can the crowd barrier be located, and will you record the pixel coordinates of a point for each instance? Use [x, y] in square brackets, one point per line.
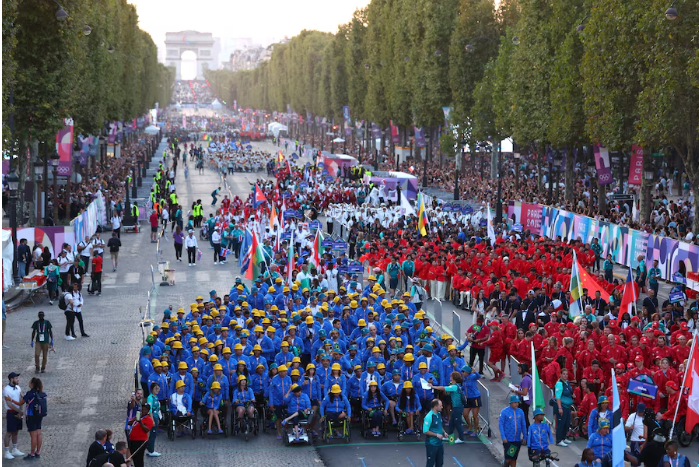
[484, 413]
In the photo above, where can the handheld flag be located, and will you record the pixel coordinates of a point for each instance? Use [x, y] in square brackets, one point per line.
[422, 218]
[630, 297]
[291, 257]
[491, 228]
[575, 289]
[691, 375]
[273, 218]
[254, 257]
[618, 436]
[318, 249]
[258, 197]
[537, 396]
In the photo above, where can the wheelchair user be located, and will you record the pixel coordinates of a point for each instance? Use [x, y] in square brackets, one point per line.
[243, 399]
[539, 436]
[299, 405]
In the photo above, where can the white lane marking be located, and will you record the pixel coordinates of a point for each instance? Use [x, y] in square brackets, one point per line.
[132, 277]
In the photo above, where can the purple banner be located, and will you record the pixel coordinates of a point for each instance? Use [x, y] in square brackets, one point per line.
[64, 146]
[419, 138]
[375, 131]
[603, 165]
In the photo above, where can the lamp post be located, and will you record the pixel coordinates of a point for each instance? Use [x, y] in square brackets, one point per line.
[134, 192]
[13, 182]
[557, 162]
[128, 199]
[517, 156]
[498, 209]
[648, 176]
[54, 163]
[137, 169]
[424, 158]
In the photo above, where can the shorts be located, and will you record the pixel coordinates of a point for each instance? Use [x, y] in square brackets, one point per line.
[393, 283]
[473, 402]
[279, 411]
[14, 423]
[154, 229]
[512, 450]
[34, 423]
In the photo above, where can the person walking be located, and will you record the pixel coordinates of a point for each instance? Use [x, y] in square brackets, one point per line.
[190, 242]
[434, 434]
[35, 399]
[116, 225]
[114, 244]
[85, 251]
[65, 261]
[24, 257]
[52, 277]
[153, 219]
[178, 238]
[42, 338]
[141, 425]
[513, 430]
[213, 196]
[12, 394]
[96, 276]
[75, 306]
[216, 242]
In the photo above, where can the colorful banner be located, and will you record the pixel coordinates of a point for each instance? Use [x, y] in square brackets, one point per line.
[419, 138]
[86, 223]
[51, 237]
[64, 146]
[636, 165]
[346, 113]
[395, 136]
[375, 131]
[603, 165]
[526, 214]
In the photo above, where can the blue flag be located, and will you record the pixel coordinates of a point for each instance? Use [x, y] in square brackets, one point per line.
[244, 247]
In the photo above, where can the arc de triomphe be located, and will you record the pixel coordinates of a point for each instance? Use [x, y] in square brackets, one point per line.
[201, 43]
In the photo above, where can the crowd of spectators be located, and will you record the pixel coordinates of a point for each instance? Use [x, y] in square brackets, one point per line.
[192, 92]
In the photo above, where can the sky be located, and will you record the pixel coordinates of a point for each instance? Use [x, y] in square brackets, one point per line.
[264, 21]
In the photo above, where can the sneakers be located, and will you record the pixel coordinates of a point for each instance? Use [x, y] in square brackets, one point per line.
[190, 264]
[70, 338]
[153, 454]
[16, 452]
[29, 457]
[8, 455]
[458, 441]
[50, 302]
[215, 262]
[562, 444]
[84, 335]
[114, 270]
[567, 441]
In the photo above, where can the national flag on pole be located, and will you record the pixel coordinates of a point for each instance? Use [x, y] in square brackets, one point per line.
[422, 218]
[692, 374]
[273, 218]
[280, 158]
[618, 436]
[291, 257]
[630, 297]
[244, 246]
[576, 292]
[318, 249]
[537, 395]
[255, 256]
[491, 228]
[258, 197]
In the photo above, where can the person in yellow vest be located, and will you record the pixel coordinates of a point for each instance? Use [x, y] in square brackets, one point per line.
[173, 198]
[134, 211]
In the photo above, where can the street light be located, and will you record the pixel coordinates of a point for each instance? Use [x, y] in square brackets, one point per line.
[13, 183]
[671, 13]
[516, 156]
[557, 163]
[87, 30]
[61, 14]
[54, 163]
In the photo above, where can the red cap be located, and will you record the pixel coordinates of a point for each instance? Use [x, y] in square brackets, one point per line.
[532, 325]
[493, 323]
[656, 324]
[639, 358]
[553, 313]
[620, 366]
[657, 332]
[684, 326]
[635, 318]
[644, 340]
[630, 366]
[570, 325]
[612, 322]
[671, 384]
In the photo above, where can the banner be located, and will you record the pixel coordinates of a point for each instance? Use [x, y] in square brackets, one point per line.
[419, 138]
[375, 131]
[64, 146]
[346, 113]
[603, 165]
[636, 165]
[447, 111]
[395, 136]
[86, 223]
[526, 214]
[51, 237]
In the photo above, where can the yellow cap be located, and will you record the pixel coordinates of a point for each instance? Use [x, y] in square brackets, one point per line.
[296, 360]
[213, 358]
[177, 345]
[372, 278]
[310, 366]
[422, 365]
[336, 366]
[380, 366]
[271, 329]
[238, 346]
[295, 372]
[407, 385]
[282, 368]
[375, 349]
[227, 350]
[409, 357]
[179, 384]
[182, 366]
[215, 385]
[285, 344]
[336, 389]
[257, 347]
[242, 377]
[218, 367]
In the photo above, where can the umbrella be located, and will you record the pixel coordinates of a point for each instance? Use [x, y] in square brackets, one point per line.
[338, 140]
[152, 130]
[249, 146]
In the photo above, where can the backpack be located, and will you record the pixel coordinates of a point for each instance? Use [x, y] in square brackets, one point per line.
[62, 302]
[99, 460]
[38, 406]
[463, 397]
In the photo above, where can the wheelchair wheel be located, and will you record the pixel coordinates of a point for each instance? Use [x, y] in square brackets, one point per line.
[348, 432]
[684, 438]
[583, 427]
[193, 428]
[171, 430]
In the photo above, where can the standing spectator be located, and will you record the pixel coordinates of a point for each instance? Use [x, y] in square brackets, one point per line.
[178, 238]
[45, 257]
[42, 333]
[133, 406]
[116, 225]
[97, 447]
[564, 399]
[216, 242]
[24, 256]
[434, 433]
[513, 430]
[74, 300]
[653, 275]
[76, 273]
[190, 242]
[96, 284]
[138, 436]
[641, 273]
[85, 251]
[97, 245]
[35, 399]
[12, 394]
[37, 256]
[153, 226]
[114, 244]
[65, 261]
[155, 405]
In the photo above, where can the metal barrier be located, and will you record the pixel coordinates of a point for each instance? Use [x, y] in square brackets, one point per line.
[135, 375]
[455, 325]
[548, 410]
[515, 377]
[484, 413]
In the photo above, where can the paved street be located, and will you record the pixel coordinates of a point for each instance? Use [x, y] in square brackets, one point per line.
[89, 380]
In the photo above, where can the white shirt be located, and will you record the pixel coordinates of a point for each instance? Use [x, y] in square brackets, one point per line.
[77, 298]
[190, 241]
[85, 251]
[216, 237]
[64, 262]
[116, 222]
[636, 422]
[14, 393]
[98, 245]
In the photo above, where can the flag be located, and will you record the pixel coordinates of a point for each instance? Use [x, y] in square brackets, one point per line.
[254, 256]
[491, 228]
[318, 249]
[224, 252]
[618, 436]
[290, 260]
[422, 217]
[630, 297]
[589, 282]
[692, 373]
[575, 289]
[258, 197]
[537, 396]
[244, 246]
[273, 219]
[405, 208]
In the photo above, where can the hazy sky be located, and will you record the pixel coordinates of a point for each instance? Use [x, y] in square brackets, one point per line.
[265, 21]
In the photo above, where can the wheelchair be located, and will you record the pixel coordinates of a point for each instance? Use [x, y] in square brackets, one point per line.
[331, 427]
[403, 426]
[245, 425]
[174, 423]
[538, 457]
[304, 435]
[366, 423]
[578, 425]
[223, 418]
[264, 417]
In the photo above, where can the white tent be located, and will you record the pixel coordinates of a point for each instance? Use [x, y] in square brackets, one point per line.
[216, 104]
[338, 140]
[7, 253]
[276, 128]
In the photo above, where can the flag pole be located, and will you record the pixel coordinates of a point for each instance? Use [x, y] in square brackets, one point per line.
[684, 380]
